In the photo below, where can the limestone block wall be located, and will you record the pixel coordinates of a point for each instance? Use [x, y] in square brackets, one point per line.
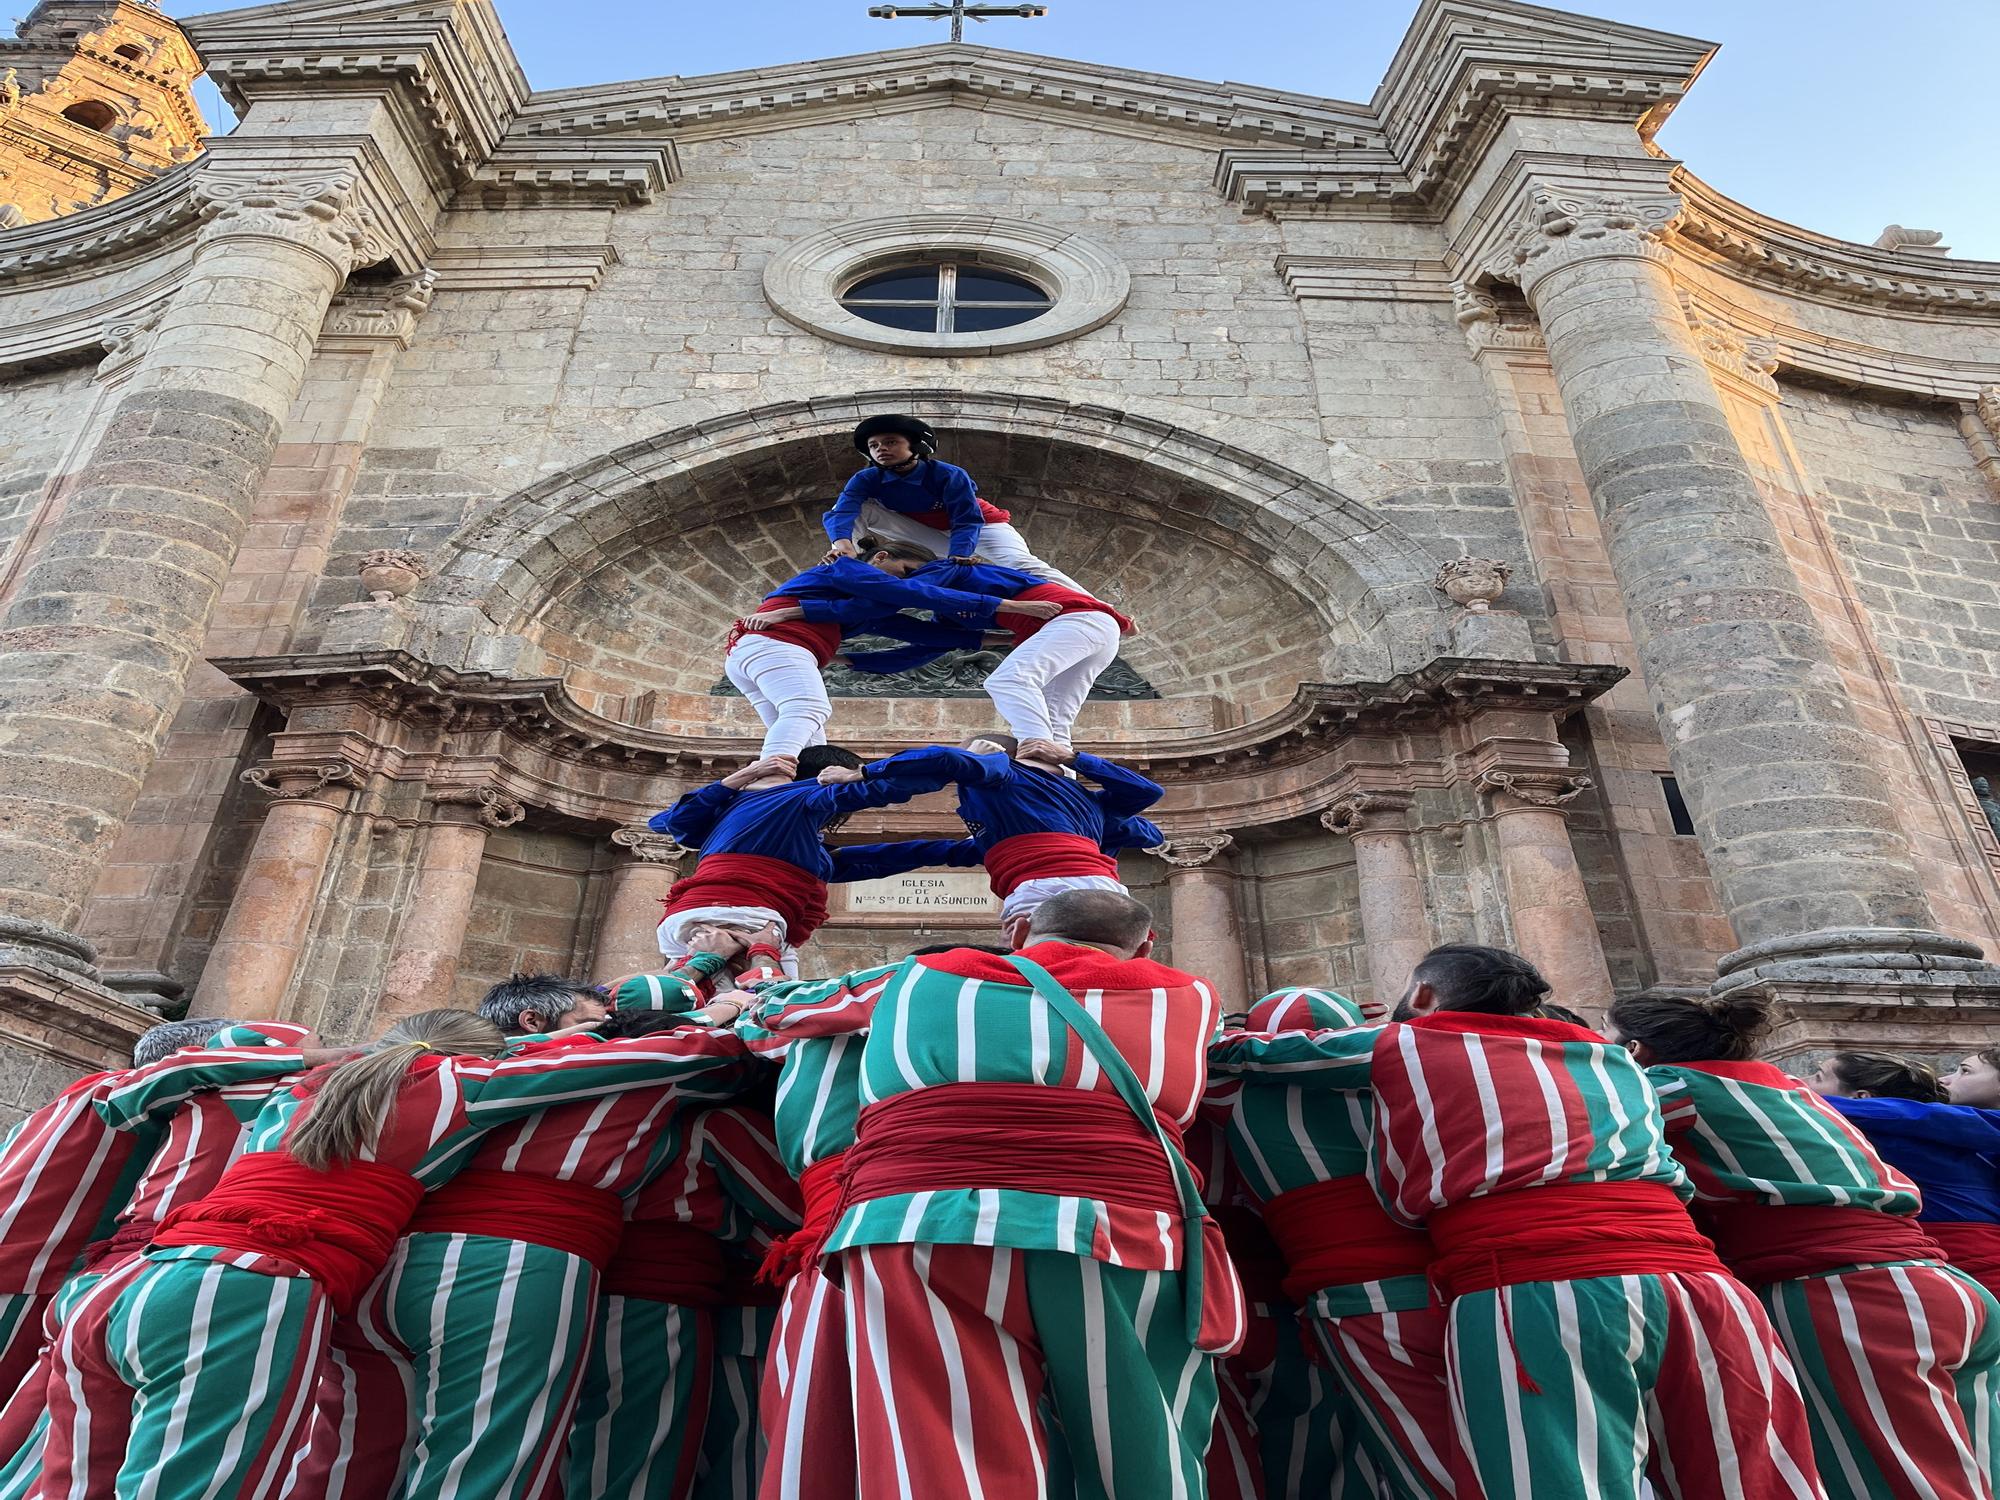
[41, 414]
[533, 911]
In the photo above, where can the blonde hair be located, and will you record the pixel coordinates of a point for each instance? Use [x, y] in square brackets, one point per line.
[355, 1098]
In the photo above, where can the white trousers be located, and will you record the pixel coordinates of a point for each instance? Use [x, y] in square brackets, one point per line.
[674, 928]
[1029, 894]
[783, 684]
[999, 544]
[1041, 685]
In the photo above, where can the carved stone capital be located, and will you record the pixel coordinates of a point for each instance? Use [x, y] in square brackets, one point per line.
[1473, 583]
[495, 808]
[1194, 850]
[388, 573]
[1514, 790]
[1368, 812]
[317, 214]
[1487, 325]
[1731, 353]
[127, 339]
[294, 781]
[1987, 409]
[649, 847]
[1557, 230]
[388, 312]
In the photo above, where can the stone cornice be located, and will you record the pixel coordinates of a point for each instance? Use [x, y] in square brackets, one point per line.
[553, 171]
[451, 57]
[89, 242]
[1364, 278]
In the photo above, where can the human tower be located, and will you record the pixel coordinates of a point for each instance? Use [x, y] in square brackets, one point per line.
[1003, 1222]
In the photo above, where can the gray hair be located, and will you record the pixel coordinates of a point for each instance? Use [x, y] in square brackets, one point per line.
[170, 1036]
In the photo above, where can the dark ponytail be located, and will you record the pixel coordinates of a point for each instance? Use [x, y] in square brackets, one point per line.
[1722, 1028]
[1466, 976]
[1888, 1076]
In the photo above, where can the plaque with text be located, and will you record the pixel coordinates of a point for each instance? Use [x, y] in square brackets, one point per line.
[925, 893]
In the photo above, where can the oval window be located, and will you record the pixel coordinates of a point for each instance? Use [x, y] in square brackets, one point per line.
[946, 298]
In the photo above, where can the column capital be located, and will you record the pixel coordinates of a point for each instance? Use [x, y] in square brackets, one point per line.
[1487, 325]
[1193, 851]
[387, 314]
[493, 807]
[317, 214]
[648, 847]
[298, 781]
[1737, 359]
[1559, 228]
[1516, 791]
[1363, 812]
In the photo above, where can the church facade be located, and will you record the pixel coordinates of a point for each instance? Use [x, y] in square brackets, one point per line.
[1528, 544]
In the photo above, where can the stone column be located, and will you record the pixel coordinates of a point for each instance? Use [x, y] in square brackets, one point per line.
[1395, 918]
[423, 961]
[96, 646]
[628, 936]
[1208, 933]
[249, 970]
[1554, 927]
[1793, 813]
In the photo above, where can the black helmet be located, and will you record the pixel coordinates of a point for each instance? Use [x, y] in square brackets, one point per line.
[918, 432]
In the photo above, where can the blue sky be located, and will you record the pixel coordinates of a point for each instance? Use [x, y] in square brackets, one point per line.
[1839, 115]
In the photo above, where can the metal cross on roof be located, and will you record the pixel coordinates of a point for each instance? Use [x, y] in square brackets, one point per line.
[958, 10]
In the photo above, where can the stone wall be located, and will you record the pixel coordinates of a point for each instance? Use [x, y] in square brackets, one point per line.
[41, 415]
[534, 910]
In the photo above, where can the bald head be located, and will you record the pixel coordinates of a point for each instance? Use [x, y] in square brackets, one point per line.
[1104, 919]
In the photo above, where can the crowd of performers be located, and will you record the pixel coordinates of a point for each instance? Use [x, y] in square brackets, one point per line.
[1032, 1220]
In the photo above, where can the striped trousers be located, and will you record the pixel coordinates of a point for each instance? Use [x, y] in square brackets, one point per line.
[1898, 1365]
[20, 1337]
[497, 1332]
[1578, 1390]
[952, 1346]
[732, 1449]
[1390, 1366]
[363, 1423]
[805, 1398]
[185, 1375]
[645, 1402]
[24, 1420]
[1283, 1429]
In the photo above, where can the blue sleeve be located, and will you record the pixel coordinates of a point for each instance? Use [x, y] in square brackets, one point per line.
[961, 503]
[1121, 792]
[864, 582]
[839, 521]
[1131, 833]
[912, 773]
[1955, 1125]
[693, 818]
[879, 861]
[846, 613]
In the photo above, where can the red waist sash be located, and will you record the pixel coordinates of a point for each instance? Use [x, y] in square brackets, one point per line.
[1073, 602]
[128, 1240]
[1336, 1233]
[1035, 856]
[822, 639]
[1571, 1232]
[1765, 1242]
[1974, 1248]
[1067, 1143]
[339, 1226]
[561, 1215]
[940, 518]
[797, 895]
[663, 1260]
[819, 1186]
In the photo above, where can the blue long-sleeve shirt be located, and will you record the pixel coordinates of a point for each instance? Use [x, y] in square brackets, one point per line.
[930, 486]
[999, 798]
[787, 822]
[1950, 1151]
[849, 593]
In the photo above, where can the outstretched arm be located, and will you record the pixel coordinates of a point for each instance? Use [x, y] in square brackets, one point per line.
[832, 1007]
[1332, 1060]
[880, 861]
[872, 585]
[961, 505]
[1121, 791]
[690, 820]
[912, 773]
[152, 1092]
[1132, 833]
[839, 521]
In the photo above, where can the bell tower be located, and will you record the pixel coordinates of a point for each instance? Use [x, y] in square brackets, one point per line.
[95, 101]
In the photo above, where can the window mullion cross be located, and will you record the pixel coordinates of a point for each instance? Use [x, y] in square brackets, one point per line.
[947, 293]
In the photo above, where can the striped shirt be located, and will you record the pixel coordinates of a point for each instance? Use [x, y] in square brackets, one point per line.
[1469, 1105]
[446, 1103]
[725, 1180]
[1749, 1133]
[818, 1102]
[929, 1026]
[69, 1168]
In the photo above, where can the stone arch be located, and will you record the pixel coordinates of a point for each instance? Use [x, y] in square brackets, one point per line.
[508, 571]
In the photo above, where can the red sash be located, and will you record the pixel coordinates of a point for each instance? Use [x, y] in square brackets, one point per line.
[339, 1226]
[1974, 1248]
[1336, 1233]
[1766, 1242]
[753, 880]
[561, 1215]
[1570, 1232]
[662, 1260]
[127, 1241]
[1073, 602]
[823, 640]
[1035, 856]
[819, 1186]
[1067, 1143]
[940, 519]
